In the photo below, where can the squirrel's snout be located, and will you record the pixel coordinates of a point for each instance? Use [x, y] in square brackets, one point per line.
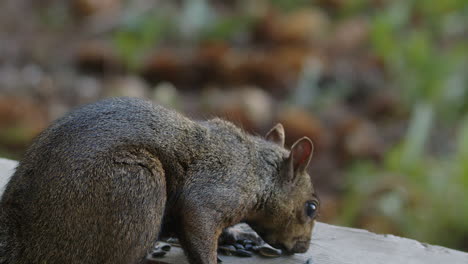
[301, 247]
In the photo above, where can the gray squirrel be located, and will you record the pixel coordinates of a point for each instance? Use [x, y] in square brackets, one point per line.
[96, 186]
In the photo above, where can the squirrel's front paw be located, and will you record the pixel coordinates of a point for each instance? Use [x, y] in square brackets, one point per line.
[239, 232]
[241, 240]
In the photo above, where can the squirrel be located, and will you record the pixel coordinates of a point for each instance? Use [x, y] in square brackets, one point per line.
[97, 185]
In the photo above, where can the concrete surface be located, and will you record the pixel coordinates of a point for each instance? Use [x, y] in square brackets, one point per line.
[330, 245]
[7, 167]
[341, 245]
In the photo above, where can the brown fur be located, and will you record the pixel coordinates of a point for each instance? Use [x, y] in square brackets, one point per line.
[97, 185]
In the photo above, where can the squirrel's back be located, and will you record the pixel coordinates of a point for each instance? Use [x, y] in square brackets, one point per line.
[108, 124]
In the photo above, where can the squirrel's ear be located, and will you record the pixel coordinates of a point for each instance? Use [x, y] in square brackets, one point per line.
[301, 154]
[276, 135]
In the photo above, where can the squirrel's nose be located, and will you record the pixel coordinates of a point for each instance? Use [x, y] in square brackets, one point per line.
[301, 247]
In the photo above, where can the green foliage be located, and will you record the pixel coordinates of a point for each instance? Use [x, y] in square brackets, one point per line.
[423, 194]
[411, 38]
[226, 28]
[424, 197]
[15, 135]
[413, 147]
[290, 4]
[139, 33]
[462, 156]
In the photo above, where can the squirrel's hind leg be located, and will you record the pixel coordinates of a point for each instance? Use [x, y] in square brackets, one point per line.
[141, 206]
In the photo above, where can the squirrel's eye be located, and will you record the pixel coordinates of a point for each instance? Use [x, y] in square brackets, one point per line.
[311, 209]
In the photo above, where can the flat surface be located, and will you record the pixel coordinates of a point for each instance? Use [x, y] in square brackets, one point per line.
[330, 245]
[340, 245]
[7, 167]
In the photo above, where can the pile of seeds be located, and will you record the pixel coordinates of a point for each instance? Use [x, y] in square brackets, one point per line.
[241, 248]
[246, 248]
[160, 249]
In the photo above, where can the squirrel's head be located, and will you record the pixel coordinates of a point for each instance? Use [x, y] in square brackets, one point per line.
[288, 216]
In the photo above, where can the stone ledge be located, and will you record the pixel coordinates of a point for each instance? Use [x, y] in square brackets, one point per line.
[330, 245]
[7, 167]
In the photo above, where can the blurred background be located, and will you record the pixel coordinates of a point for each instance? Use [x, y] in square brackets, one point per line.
[380, 86]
